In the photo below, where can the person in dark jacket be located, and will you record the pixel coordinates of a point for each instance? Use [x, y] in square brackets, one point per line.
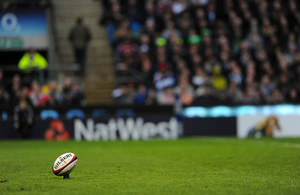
[78, 97]
[79, 36]
[23, 118]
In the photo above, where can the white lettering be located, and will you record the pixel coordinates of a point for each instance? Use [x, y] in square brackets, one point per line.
[125, 129]
[175, 128]
[81, 131]
[149, 130]
[112, 129]
[130, 129]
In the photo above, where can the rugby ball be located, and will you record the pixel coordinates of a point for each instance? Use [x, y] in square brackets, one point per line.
[64, 164]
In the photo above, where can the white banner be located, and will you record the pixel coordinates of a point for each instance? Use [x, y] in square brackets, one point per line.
[258, 125]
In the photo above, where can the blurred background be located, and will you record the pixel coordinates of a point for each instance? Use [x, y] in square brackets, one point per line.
[186, 59]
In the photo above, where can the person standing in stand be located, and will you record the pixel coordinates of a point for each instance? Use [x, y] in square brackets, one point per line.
[23, 118]
[80, 36]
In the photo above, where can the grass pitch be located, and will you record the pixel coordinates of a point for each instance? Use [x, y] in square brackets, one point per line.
[184, 166]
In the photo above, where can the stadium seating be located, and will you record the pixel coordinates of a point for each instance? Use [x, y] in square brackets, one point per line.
[49, 114]
[96, 113]
[75, 113]
[125, 113]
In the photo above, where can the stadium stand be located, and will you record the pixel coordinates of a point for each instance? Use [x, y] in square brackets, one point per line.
[206, 51]
[14, 86]
[99, 78]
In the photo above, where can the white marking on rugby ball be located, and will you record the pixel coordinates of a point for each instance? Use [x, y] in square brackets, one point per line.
[64, 164]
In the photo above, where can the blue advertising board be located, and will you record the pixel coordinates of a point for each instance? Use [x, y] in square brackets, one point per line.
[233, 111]
[23, 30]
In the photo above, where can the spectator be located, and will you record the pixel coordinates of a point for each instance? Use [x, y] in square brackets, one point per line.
[204, 96]
[146, 70]
[51, 101]
[293, 96]
[123, 95]
[141, 94]
[72, 94]
[23, 118]
[36, 94]
[200, 78]
[122, 33]
[219, 82]
[33, 65]
[56, 95]
[79, 36]
[67, 85]
[144, 44]
[14, 89]
[166, 96]
[276, 97]
[4, 98]
[234, 93]
[68, 98]
[78, 97]
[163, 78]
[170, 31]
[266, 86]
[126, 51]
[236, 75]
[252, 94]
[151, 98]
[284, 85]
[186, 91]
[178, 6]
[52, 98]
[134, 11]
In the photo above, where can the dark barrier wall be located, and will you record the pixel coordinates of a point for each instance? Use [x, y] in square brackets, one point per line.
[59, 129]
[224, 126]
[7, 130]
[94, 123]
[110, 123]
[104, 128]
[139, 122]
[110, 128]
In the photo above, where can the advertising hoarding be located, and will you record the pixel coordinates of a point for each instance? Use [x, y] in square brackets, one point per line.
[105, 128]
[23, 30]
[222, 126]
[287, 126]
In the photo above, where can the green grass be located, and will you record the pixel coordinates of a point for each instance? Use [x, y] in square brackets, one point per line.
[184, 166]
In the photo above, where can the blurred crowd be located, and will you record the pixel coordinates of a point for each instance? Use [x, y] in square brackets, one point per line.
[49, 95]
[204, 51]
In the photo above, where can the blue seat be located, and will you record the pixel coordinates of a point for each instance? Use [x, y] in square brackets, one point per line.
[4, 116]
[75, 113]
[125, 112]
[98, 112]
[45, 114]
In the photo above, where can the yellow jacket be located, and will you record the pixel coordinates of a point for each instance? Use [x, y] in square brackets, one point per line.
[37, 61]
[219, 82]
